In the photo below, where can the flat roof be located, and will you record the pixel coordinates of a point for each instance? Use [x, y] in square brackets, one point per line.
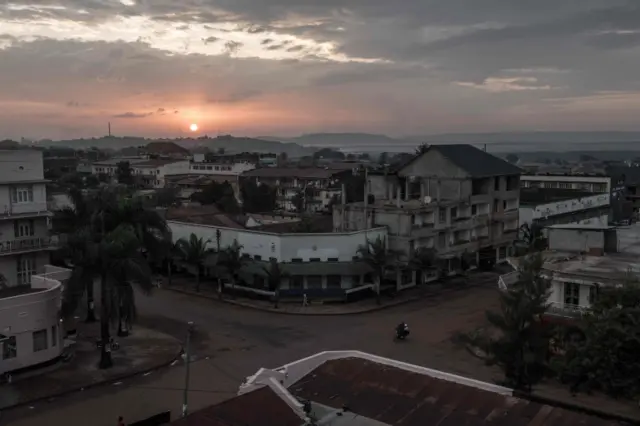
[580, 227]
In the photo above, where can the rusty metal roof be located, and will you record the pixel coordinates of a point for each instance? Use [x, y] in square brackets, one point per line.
[401, 398]
[261, 407]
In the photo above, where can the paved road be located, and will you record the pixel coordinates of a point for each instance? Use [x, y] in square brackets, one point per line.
[231, 343]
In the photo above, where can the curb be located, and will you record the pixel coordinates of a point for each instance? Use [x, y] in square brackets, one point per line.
[319, 314]
[95, 384]
[571, 406]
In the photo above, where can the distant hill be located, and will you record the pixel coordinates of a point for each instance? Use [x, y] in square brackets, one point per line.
[530, 137]
[340, 140]
[229, 143]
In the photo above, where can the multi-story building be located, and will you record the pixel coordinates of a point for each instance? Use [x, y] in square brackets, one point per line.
[546, 207]
[582, 183]
[319, 185]
[452, 198]
[221, 168]
[147, 172]
[24, 217]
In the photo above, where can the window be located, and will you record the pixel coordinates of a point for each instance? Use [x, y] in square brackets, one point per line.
[334, 281]
[497, 184]
[296, 260]
[474, 209]
[496, 205]
[572, 294]
[26, 266]
[332, 259]
[9, 347]
[504, 205]
[355, 281]
[593, 294]
[442, 215]
[257, 257]
[296, 282]
[454, 212]
[23, 228]
[40, 340]
[314, 282]
[564, 185]
[54, 336]
[442, 240]
[314, 259]
[208, 167]
[22, 194]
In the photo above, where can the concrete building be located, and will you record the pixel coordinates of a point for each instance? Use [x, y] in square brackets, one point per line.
[353, 388]
[220, 168]
[452, 198]
[320, 185]
[148, 172]
[581, 259]
[24, 217]
[545, 207]
[583, 183]
[31, 332]
[318, 264]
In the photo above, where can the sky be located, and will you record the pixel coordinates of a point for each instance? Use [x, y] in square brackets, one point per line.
[285, 67]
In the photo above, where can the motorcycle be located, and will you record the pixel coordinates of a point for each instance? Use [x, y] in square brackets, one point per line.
[402, 332]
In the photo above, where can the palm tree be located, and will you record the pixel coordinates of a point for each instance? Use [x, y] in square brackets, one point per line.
[194, 251]
[231, 260]
[424, 259]
[275, 274]
[378, 257]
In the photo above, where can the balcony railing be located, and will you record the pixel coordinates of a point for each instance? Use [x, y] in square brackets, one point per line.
[27, 244]
[566, 310]
[35, 208]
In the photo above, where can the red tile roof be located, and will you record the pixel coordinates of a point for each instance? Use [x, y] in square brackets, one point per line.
[401, 398]
[261, 407]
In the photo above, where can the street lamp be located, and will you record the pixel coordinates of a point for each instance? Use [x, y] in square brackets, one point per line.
[187, 360]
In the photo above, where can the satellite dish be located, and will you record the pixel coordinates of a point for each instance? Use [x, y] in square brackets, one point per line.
[427, 199]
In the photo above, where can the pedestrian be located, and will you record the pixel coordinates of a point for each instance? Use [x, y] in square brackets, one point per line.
[305, 301]
[121, 421]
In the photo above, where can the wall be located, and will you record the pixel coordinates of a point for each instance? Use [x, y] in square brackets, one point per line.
[570, 206]
[283, 247]
[9, 265]
[216, 168]
[21, 315]
[575, 240]
[39, 204]
[576, 182]
[21, 165]
[177, 168]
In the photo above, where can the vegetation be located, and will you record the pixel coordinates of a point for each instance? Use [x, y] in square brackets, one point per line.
[113, 242]
[424, 260]
[378, 256]
[220, 194]
[166, 197]
[257, 198]
[275, 275]
[231, 261]
[422, 149]
[517, 341]
[124, 173]
[605, 357]
[512, 158]
[329, 153]
[193, 251]
[532, 238]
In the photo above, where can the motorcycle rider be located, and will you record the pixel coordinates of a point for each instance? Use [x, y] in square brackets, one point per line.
[402, 330]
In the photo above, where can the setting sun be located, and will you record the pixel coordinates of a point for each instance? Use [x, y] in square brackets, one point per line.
[193, 127]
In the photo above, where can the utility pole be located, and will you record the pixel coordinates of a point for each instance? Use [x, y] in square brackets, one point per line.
[366, 204]
[187, 360]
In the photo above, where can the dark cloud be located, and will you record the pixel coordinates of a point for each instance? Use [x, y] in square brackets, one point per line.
[266, 41]
[133, 115]
[232, 47]
[210, 40]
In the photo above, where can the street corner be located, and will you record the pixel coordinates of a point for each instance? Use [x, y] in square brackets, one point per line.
[143, 351]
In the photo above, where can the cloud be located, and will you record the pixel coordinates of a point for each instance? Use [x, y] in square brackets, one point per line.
[413, 66]
[133, 115]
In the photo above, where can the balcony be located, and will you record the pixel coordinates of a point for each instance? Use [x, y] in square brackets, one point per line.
[14, 211]
[28, 244]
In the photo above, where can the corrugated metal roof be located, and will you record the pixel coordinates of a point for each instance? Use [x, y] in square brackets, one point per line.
[261, 407]
[401, 398]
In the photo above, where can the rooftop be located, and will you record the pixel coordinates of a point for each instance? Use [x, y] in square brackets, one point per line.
[205, 215]
[164, 148]
[293, 172]
[358, 389]
[476, 162]
[156, 163]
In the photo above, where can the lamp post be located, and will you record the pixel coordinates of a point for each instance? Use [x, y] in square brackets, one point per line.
[187, 360]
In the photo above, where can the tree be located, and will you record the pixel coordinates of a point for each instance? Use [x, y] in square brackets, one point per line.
[193, 252]
[384, 158]
[220, 194]
[517, 341]
[422, 148]
[257, 198]
[606, 357]
[329, 153]
[512, 158]
[167, 197]
[423, 260]
[125, 177]
[113, 242]
[378, 257]
[532, 237]
[231, 261]
[299, 201]
[275, 274]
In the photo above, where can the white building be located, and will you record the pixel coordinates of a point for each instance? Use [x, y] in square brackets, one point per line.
[31, 331]
[24, 217]
[220, 169]
[585, 183]
[148, 172]
[589, 210]
[582, 258]
[319, 264]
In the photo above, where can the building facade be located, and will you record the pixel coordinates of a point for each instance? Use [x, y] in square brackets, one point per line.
[318, 185]
[455, 199]
[582, 183]
[587, 210]
[319, 265]
[150, 173]
[25, 243]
